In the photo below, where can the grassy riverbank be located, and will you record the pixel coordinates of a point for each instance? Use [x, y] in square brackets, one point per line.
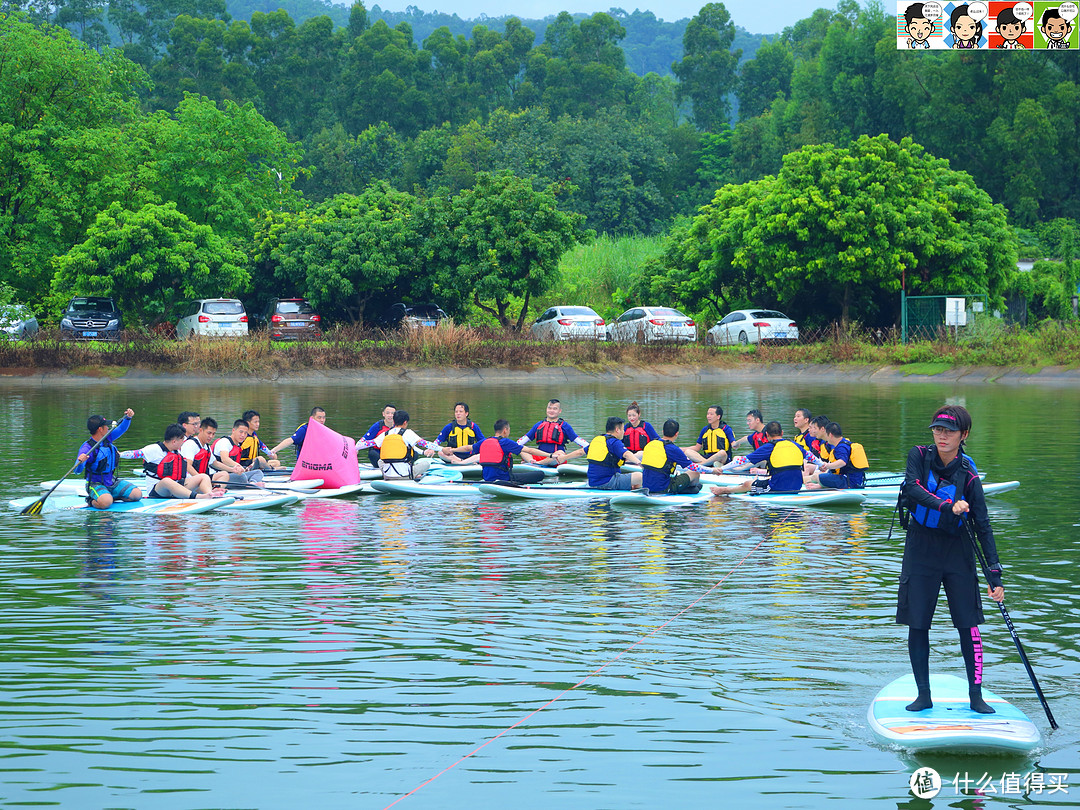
[462, 347]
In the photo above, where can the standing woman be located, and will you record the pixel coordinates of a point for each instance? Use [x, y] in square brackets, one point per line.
[638, 432]
[943, 500]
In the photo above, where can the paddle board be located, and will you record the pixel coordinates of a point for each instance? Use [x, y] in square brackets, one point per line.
[817, 497]
[544, 492]
[950, 725]
[424, 488]
[248, 503]
[78, 486]
[476, 471]
[582, 470]
[147, 506]
[885, 492]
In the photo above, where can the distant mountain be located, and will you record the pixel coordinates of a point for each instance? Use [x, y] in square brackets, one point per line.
[650, 45]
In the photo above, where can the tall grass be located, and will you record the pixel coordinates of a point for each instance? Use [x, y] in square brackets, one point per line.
[448, 346]
[598, 274]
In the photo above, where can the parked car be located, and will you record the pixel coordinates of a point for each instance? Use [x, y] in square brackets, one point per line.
[290, 319]
[753, 326]
[413, 316]
[569, 323]
[17, 322]
[213, 317]
[653, 325]
[91, 318]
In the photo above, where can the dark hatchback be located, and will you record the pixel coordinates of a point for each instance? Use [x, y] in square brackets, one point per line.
[91, 318]
[414, 316]
[291, 319]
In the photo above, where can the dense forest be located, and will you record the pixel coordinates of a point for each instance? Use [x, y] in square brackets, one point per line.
[167, 149]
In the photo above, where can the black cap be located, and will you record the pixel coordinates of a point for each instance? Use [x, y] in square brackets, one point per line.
[945, 420]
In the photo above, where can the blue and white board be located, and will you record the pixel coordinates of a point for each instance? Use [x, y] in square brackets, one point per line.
[544, 492]
[147, 506]
[429, 488]
[269, 500]
[811, 497]
[885, 492]
[950, 725]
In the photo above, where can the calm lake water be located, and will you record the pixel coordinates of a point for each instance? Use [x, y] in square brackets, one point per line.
[338, 654]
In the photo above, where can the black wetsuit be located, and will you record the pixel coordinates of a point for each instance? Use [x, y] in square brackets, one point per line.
[942, 555]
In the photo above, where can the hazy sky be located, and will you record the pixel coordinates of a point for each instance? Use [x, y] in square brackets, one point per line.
[756, 16]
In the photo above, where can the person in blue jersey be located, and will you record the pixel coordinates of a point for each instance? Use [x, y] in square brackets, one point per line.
[461, 436]
[636, 431]
[377, 429]
[552, 434]
[661, 458]
[99, 463]
[844, 463]
[297, 439]
[496, 455]
[756, 425]
[941, 500]
[817, 441]
[715, 441]
[606, 454]
[783, 460]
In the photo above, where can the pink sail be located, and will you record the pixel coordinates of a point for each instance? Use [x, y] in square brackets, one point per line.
[328, 455]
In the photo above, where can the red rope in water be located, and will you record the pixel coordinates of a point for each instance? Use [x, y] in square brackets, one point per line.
[599, 669]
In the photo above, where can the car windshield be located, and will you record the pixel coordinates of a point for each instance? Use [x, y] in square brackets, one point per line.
[295, 308]
[223, 308]
[668, 312]
[578, 311]
[91, 305]
[424, 311]
[768, 313]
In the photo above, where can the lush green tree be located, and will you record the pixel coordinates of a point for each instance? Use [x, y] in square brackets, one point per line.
[346, 253]
[222, 165]
[503, 240]
[839, 229]
[707, 72]
[63, 109]
[765, 77]
[150, 260]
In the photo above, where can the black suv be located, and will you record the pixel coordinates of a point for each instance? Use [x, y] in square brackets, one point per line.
[414, 315]
[91, 318]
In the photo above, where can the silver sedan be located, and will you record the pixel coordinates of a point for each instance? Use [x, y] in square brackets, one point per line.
[568, 323]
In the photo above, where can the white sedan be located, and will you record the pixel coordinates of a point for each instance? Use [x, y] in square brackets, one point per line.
[753, 326]
[653, 325]
[568, 323]
[17, 322]
[213, 317]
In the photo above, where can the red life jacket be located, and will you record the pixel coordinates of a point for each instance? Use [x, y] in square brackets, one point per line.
[493, 455]
[635, 437]
[551, 433]
[236, 452]
[201, 462]
[759, 438]
[172, 466]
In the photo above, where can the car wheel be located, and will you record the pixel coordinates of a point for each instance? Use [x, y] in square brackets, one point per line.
[743, 339]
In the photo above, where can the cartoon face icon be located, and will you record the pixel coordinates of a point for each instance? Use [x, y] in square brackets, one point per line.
[964, 28]
[919, 29]
[1011, 31]
[1056, 28]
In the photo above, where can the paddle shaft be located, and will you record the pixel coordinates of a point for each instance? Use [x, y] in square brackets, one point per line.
[41, 501]
[1012, 629]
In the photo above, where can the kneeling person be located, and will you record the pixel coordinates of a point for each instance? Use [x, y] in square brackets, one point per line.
[659, 460]
[783, 459]
[606, 454]
[167, 469]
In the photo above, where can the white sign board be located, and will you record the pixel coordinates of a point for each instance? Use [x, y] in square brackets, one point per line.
[955, 312]
[977, 306]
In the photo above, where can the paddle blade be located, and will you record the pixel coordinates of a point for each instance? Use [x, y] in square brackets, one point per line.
[35, 507]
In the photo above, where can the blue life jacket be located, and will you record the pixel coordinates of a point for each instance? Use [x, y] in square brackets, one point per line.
[942, 488]
[101, 464]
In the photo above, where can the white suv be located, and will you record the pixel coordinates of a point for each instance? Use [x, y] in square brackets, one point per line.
[213, 317]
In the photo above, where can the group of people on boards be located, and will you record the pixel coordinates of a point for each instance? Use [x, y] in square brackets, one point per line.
[190, 461]
[818, 455]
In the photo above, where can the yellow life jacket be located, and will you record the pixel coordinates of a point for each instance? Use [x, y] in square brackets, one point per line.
[655, 457]
[461, 436]
[600, 453]
[785, 455]
[858, 458]
[249, 450]
[395, 449]
[715, 439]
[827, 454]
[800, 439]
